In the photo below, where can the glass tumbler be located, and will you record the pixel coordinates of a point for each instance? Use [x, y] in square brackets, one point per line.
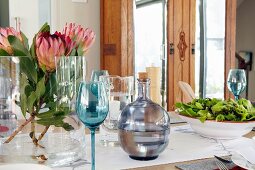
[120, 91]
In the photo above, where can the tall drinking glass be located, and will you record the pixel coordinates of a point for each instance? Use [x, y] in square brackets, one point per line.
[92, 108]
[236, 82]
[97, 73]
[120, 91]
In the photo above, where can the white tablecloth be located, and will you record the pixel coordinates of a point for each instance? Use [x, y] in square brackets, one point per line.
[184, 145]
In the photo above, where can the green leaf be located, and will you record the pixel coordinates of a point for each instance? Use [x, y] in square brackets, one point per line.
[40, 88]
[51, 88]
[18, 45]
[25, 40]
[28, 67]
[198, 105]
[57, 121]
[45, 28]
[220, 117]
[51, 104]
[30, 101]
[50, 114]
[28, 90]
[67, 127]
[23, 97]
[73, 52]
[3, 53]
[80, 50]
[23, 104]
[202, 119]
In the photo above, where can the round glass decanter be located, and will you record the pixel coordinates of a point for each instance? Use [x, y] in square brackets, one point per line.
[144, 126]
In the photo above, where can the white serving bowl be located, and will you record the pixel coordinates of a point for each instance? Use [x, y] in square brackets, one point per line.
[219, 130]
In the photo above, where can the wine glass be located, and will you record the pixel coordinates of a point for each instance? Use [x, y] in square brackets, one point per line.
[92, 108]
[97, 73]
[236, 82]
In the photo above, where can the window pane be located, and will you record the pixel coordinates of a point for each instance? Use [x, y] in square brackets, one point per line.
[214, 15]
[148, 36]
[148, 46]
[215, 34]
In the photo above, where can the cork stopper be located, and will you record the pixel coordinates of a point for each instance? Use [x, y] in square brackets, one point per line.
[143, 75]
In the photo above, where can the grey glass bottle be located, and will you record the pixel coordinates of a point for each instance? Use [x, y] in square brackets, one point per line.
[144, 126]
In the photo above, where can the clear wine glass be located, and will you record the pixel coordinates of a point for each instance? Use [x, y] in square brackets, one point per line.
[236, 82]
[97, 73]
[92, 108]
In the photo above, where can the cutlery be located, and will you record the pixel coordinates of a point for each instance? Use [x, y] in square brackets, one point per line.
[223, 160]
[221, 165]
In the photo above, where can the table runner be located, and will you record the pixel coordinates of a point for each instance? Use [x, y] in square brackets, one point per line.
[184, 145]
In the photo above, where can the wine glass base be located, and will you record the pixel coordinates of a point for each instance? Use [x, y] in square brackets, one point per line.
[143, 158]
[107, 143]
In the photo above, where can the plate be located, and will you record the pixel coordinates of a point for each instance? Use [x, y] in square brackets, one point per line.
[240, 161]
[24, 166]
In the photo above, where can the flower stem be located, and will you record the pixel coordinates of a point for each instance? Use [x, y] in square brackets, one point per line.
[33, 131]
[43, 133]
[19, 129]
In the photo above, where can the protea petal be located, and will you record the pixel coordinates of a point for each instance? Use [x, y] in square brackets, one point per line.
[4, 33]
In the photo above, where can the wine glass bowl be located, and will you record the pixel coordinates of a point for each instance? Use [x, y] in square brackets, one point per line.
[92, 108]
[236, 82]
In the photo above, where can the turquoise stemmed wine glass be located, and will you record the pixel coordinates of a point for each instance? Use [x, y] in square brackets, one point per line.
[92, 107]
[236, 82]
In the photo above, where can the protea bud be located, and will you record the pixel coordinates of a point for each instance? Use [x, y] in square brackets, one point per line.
[47, 47]
[84, 38]
[69, 44]
[4, 43]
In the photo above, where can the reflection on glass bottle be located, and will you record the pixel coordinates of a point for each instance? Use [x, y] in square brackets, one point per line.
[144, 126]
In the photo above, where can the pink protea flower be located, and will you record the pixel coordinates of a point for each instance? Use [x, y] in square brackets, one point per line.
[84, 38]
[47, 47]
[4, 43]
[69, 44]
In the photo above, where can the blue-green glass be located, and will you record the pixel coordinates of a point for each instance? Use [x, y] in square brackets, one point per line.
[236, 82]
[92, 107]
[97, 73]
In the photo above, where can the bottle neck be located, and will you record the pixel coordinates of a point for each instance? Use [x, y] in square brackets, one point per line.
[144, 88]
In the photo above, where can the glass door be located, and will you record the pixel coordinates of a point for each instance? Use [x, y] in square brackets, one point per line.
[150, 44]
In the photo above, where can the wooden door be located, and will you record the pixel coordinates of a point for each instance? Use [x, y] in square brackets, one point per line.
[230, 42]
[117, 37]
[180, 41]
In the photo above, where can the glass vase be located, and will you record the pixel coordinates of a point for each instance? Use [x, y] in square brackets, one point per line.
[49, 144]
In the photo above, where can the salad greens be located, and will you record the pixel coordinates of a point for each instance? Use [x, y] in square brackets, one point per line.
[217, 109]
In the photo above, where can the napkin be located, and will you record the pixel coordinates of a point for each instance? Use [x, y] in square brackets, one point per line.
[207, 164]
[248, 153]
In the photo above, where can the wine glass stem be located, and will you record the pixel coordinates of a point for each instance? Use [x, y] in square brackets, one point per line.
[236, 97]
[92, 131]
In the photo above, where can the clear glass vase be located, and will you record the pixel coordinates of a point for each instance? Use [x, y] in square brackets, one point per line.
[144, 126]
[55, 146]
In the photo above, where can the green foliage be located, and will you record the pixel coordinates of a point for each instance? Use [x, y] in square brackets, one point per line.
[18, 46]
[219, 110]
[3, 53]
[23, 96]
[55, 117]
[40, 88]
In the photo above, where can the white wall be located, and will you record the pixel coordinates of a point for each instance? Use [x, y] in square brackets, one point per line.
[245, 37]
[27, 11]
[32, 14]
[85, 14]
